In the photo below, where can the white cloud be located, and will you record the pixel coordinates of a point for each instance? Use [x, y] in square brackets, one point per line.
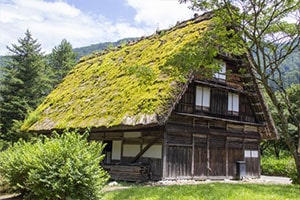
[50, 22]
[160, 13]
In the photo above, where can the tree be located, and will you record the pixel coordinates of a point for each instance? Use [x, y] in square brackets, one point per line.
[22, 85]
[264, 33]
[61, 60]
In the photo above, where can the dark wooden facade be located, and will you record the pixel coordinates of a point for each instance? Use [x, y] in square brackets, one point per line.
[204, 137]
[195, 151]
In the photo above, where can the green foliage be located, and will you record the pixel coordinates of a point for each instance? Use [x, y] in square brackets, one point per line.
[126, 85]
[142, 72]
[29, 121]
[284, 166]
[23, 83]
[4, 145]
[64, 166]
[212, 191]
[291, 94]
[61, 60]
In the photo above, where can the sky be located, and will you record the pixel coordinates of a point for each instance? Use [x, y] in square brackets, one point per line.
[85, 22]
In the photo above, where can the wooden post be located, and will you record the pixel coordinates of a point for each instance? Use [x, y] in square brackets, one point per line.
[258, 149]
[164, 159]
[145, 148]
[226, 152]
[122, 147]
[207, 148]
[193, 155]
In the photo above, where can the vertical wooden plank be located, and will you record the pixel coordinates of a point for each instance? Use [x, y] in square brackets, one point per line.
[252, 159]
[235, 153]
[200, 155]
[193, 155]
[122, 144]
[208, 160]
[219, 101]
[217, 156]
[259, 164]
[164, 153]
[141, 142]
[226, 154]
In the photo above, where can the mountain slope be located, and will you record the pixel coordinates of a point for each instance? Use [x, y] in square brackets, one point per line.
[82, 51]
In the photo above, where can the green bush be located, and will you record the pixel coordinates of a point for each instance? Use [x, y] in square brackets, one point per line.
[65, 166]
[284, 166]
[4, 144]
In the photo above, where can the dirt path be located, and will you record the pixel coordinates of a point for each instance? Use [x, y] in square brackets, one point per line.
[112, 186]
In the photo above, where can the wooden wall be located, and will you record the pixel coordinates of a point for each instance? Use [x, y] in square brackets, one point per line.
[191, 148]
[131, 143]
[198, 152]
[218, 104]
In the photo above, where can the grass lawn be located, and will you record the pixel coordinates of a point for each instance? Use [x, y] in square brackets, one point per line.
[214, 191]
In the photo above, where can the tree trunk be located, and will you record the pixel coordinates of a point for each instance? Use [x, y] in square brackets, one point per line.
[297, 157]
[276, 150]
[293, 147]
[284, 131]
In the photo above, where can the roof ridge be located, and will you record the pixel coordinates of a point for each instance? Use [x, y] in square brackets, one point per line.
[196, 19]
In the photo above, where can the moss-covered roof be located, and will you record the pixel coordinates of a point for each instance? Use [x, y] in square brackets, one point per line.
[129, 85]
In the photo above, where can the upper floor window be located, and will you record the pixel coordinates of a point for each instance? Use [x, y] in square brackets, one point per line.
[221, 74]
[233, 103]
[202, 98]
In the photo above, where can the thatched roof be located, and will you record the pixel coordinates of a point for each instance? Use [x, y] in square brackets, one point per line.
[129, 85]
[132, 85]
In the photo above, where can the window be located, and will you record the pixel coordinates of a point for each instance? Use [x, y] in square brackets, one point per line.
[251, 154]
[221, 74]
[116, 150]
[233, 104]
[202, 98]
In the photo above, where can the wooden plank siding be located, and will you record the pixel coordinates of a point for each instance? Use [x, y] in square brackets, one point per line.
[194, 151]
[191, 148]
[218, 104]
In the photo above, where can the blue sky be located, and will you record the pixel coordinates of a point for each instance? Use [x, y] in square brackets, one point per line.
[111, 9]
[85, 22]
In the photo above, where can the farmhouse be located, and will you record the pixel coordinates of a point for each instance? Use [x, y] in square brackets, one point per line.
[159, 121]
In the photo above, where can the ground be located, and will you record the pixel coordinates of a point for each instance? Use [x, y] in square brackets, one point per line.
[116, 186]
[262, 180]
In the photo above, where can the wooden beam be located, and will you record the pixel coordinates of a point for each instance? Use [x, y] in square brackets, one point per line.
[224, 87]
[218, 118]
[146, 148]
[193, 155]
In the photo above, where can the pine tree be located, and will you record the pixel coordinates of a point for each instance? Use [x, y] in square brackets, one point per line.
[61, 60]
[22, 85]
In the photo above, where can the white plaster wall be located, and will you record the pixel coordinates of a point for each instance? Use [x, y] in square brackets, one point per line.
[155, 151]
[116, 150]
[131, 150]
